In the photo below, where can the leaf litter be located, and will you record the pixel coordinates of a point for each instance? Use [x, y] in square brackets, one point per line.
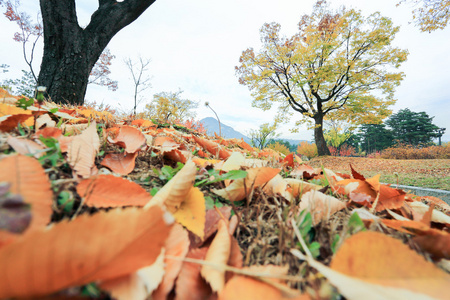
[129, 209]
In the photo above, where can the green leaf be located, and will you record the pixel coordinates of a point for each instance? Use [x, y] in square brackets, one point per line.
[355, 224]
[54, 110]
[24, 103]
[66, 201]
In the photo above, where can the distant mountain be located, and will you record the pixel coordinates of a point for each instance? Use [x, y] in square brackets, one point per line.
[211, 125]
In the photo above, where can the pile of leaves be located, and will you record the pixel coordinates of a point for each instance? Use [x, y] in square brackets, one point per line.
[129, 209]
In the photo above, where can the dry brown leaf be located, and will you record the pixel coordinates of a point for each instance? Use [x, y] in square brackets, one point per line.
[28, 179]
[112, 191]
[320, 206]
[218, 254]
[299, 187]
[82, 151]
[239, 188]
[436, 216]
[98, 247]
[380, 259]
[45, 120]
[25, 146]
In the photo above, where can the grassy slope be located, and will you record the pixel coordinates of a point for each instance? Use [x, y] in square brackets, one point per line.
[430, 173]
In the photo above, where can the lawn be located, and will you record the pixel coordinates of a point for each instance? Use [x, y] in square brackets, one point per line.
[430, 173]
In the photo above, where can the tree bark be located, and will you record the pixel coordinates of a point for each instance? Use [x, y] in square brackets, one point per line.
[70, 51]
[322, 148]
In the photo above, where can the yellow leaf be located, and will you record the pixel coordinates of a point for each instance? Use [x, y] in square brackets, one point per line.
[192, 212]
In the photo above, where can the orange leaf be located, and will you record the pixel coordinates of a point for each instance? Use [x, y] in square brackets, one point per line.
[305, 171]
[28, 179]
[288, 161]
[47, 132]
[177, 245]
[191, 212]
[390, 198]
[130, 138]
[137, 285]
[177, 155]
[320, 205]
[143, 123]
[98, 247]
[120, 164]
[112, 191]
[11, 122]
[239, 188]
[218, 254]
[212, 147]
[190, 284]
[82, 150]
[380, 259]
[242, 287]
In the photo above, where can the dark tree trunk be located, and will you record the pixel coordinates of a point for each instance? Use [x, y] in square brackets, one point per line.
[70, 51]
[321, 144]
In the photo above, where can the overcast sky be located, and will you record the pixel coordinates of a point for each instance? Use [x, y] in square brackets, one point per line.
[194, 46]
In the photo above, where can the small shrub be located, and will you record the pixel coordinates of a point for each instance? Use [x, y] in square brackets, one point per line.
[280, 148]
[344, 150]
[308, 150]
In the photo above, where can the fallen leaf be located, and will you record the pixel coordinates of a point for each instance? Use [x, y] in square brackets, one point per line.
[112, 191]
[120, 163]
[47, 132]
[320, 206]
[177, 245]
[11, 122]
[28, 179]
[299, 187]
[25, 146]
[191, 212]
[380, 259]
[98, 247]
[82, 151]
[234, 162]
[129, 138]
[239, 188]
[15, 214]
[354, 288]
[436, 216]
[137, 285]
[190, 285]
[173, 193]
[218, 254]
[45, 120]
[212, 147]
[243, 287]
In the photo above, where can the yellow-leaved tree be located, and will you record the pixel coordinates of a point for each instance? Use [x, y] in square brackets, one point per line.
[430, 15]
[167, 106]
[339, 64]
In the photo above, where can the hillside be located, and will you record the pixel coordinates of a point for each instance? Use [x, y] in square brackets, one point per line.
[212, 126]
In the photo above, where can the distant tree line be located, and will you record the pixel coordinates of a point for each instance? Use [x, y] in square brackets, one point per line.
[403, 128]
